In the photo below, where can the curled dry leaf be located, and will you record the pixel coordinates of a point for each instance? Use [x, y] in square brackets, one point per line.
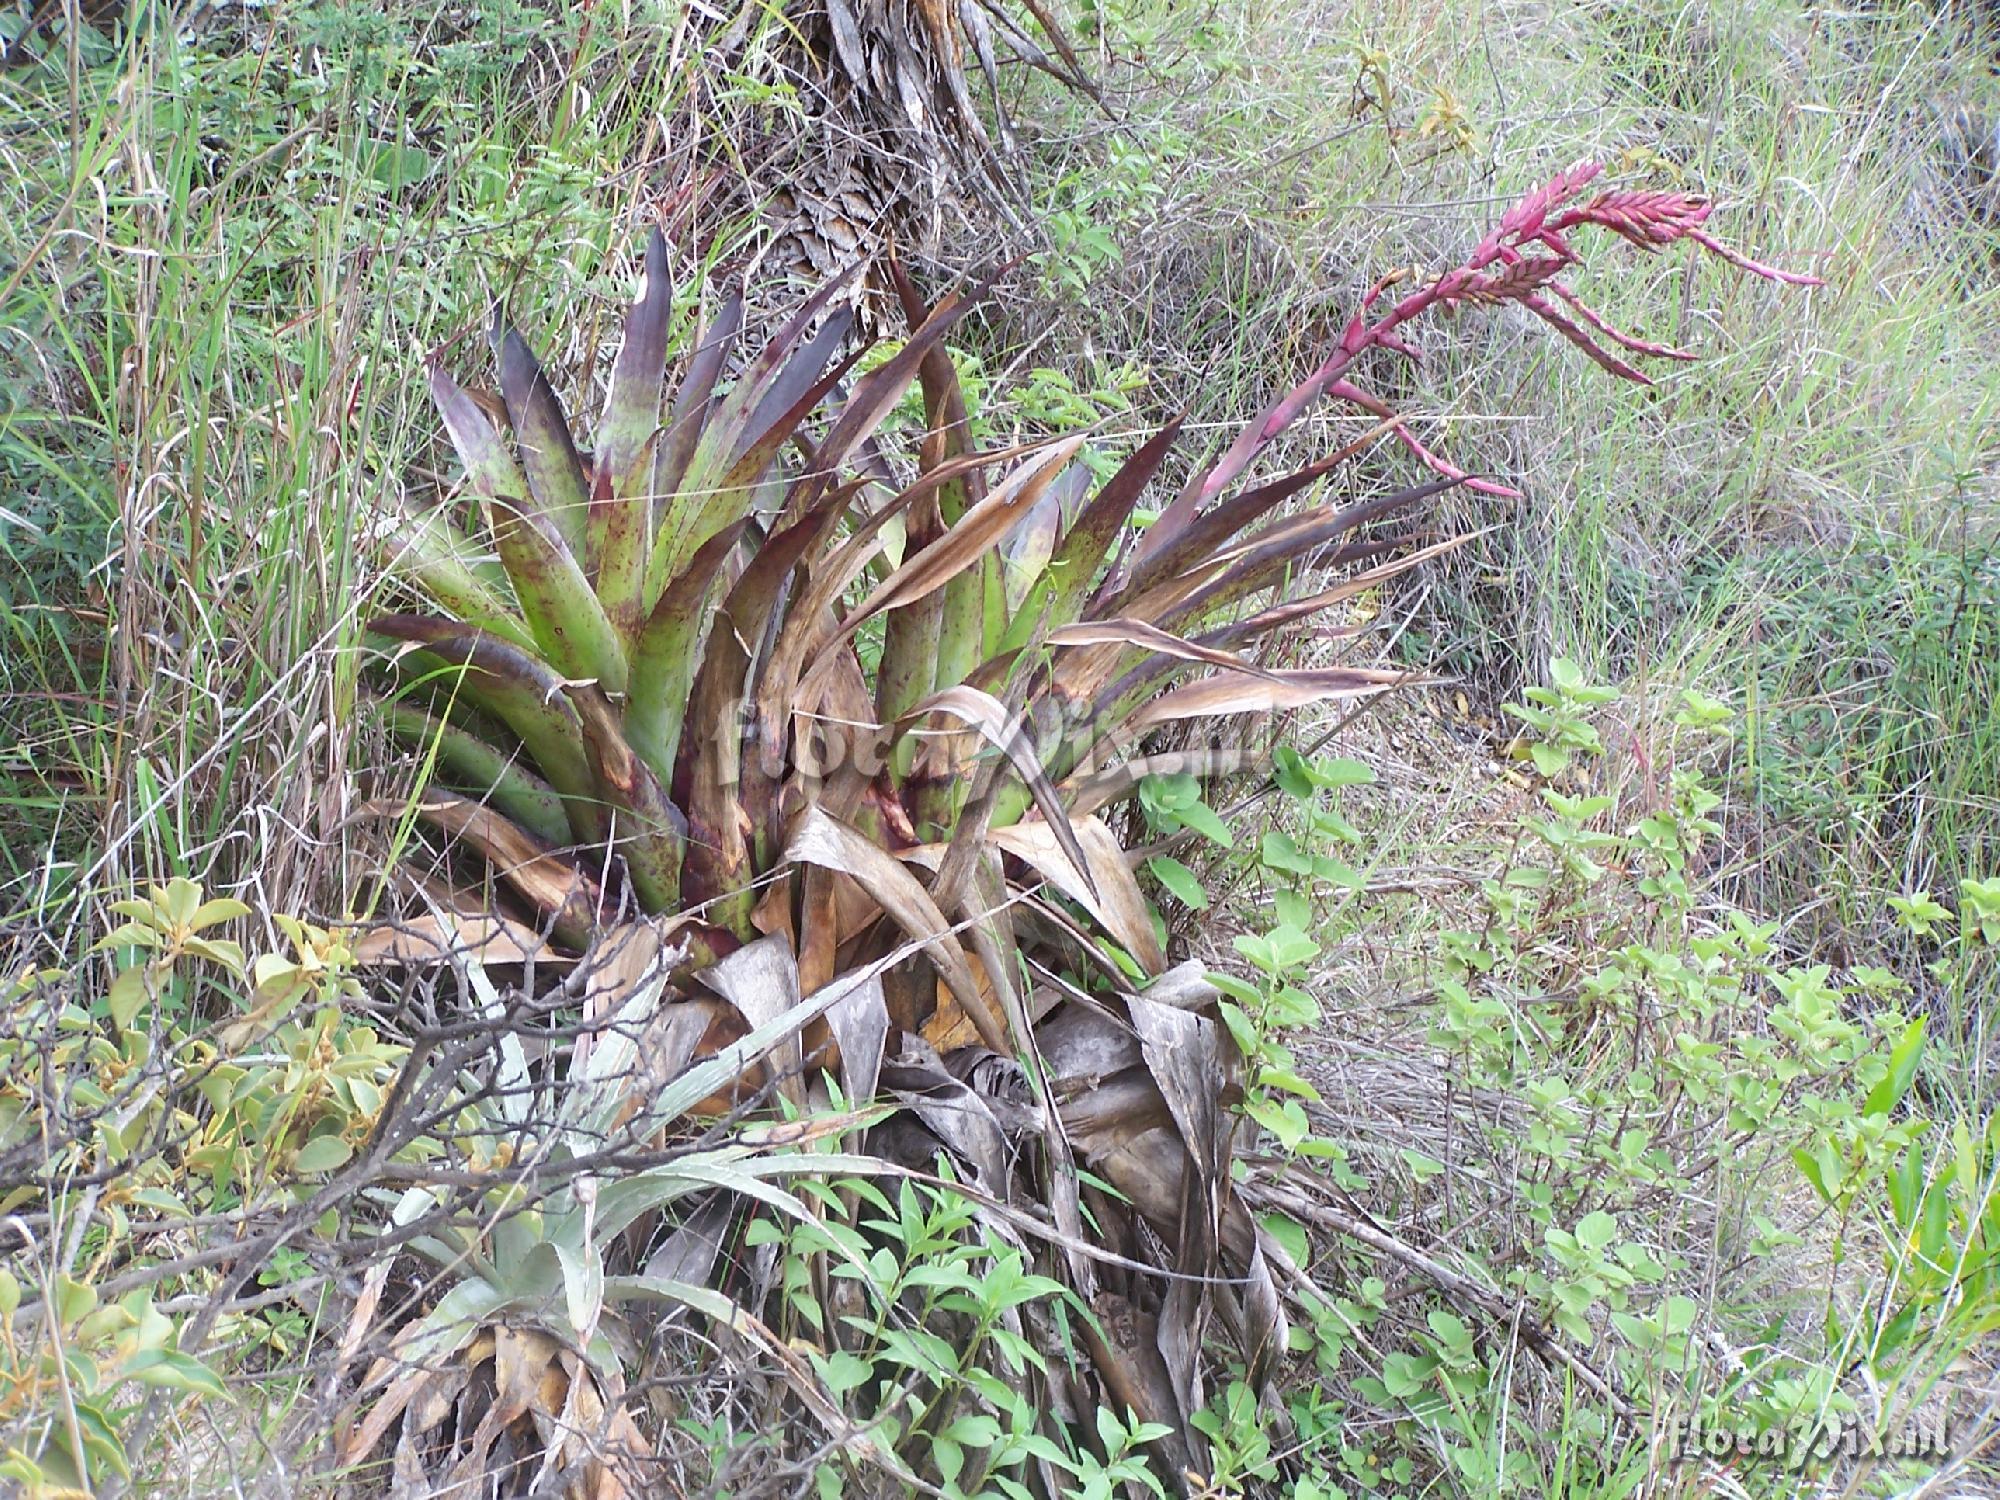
[1242, 693]
[548, 882]
[761, 980]
[820, 839]
[438, 937]
[1007, 733]
[1112, 896]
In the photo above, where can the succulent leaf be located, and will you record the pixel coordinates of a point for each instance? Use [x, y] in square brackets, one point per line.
[557, 483]
[475, 763]
[522, 690]
[619, 540]
[664, 655]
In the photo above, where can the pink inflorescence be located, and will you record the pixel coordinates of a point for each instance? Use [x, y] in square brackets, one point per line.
[1520, 261]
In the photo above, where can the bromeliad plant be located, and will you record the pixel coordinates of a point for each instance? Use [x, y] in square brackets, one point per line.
[640, 675]
[639, 690]
[842, 713]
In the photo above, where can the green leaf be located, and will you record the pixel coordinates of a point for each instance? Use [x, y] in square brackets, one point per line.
[180, 901]
[1293, 774]
[222, 909]
[1202, 819]
[1291, 1006]
[1291, 948]
[583, 1285]
[1423, 1167]
[224, 951]
[949, 1458]
[1291, 1236]
[74, 1300]
[454, 1322]
[428, 548]
[1339, 772]
[1180, 881]
[1237, 989]
[172, 1370]
[1595, 1230]
[843, 1372]
[324, 1153]
[393, 166]
[1808, 1164]
[491, 772]
[1289, 1082]
[1283, 1118]
[1403, 1375]
[161, 1201]
[128, 992]
[1903, 1060]
[1241, 1027]
[665, 655]
[975, 1430]
[522, 689]
[1336, 872]
[1280, 851]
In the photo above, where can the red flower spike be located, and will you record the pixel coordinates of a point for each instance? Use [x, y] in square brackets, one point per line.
[1618, 335]
[1517, 262]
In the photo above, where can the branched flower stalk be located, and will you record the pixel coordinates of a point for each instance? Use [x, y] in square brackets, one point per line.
[1521, 262]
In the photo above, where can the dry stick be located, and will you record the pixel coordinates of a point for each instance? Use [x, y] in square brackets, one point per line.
[1456, 1284]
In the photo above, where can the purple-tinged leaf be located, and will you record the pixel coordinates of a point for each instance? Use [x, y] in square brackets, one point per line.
[638, 376]
[521, 689]
[429, 550]
[780, 405]
[620, 535]
[642, 823]
[693, 401]
[568, 624]
[1088, 543]
[874, 397]
[556, 481]
[665, 654]
[1278, 616]
[1227, 522]
[711, 769]
[489, 468]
